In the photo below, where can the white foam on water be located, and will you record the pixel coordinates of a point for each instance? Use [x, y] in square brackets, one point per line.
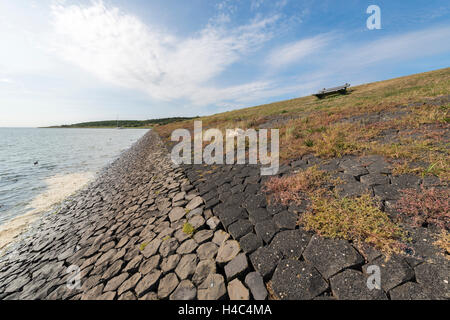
[59, 187]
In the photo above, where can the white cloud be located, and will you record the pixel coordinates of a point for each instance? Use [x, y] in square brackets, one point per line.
[6, 80]
[294, 52]
[122, 50]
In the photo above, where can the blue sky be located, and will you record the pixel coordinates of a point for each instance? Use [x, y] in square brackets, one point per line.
[72, 61]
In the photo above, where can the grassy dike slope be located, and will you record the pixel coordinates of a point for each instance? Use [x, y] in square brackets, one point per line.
[404, 119]
[402, 124]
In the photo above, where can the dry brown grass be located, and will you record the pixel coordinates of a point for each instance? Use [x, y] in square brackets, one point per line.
[426, 206]
[290, 189]
[317, 125]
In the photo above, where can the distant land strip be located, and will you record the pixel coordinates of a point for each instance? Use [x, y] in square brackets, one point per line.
[124, 123]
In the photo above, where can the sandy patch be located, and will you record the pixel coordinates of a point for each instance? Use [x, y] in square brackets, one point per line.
[59, 187]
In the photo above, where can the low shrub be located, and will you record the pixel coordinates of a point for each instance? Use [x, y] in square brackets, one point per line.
[289, 189]
[426, 206]
[356, 219]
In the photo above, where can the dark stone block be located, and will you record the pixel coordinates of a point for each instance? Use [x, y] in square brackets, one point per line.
[330, 256]
[236, 267]
[394, 272]
[352, 189]
[255, 201]
[285, 220]
[258, 215]
[386, 192]
[291, 243]
[435, 277]
[237, 188]
[352, 285]
[356, 171]
[412, 291]
[265, 260]
[379, 167]
[250, 242]
[252, 188]
[275, 208]
[240, 228]
[297, 280]
[231, 214]
[406, 181]
[266, 230]
[374, 179]
[255, 283]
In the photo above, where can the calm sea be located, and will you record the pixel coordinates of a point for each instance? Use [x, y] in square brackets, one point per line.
[66, 160]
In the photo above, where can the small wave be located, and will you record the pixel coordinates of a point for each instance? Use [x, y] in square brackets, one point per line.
[58, 188]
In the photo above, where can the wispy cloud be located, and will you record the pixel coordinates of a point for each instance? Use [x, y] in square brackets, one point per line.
[6, 80]
[296, 51]
[119, 48]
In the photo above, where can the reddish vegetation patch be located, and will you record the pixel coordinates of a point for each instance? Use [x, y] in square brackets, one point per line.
[426, 206]
[290, 189]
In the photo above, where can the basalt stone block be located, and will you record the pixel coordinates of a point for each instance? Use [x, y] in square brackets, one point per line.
[348, 163]
[252, 189]
[203, 269]
[435, 277]
[186, 266]
[227, 251]
[185, 291]
[236, 267]
[356, 171]
[394, 272]
[352, 189]
[412, 291]
[374, 179]
[211, 203]
[213, 288]
[167, 285]
[265, 260]
[207, 250]
[147, 283]
[406, 181]
[291, 243]
[352, 285]
[285, 220]
[255, 201]
[232, 214]
[330, 256]
[266, 230]
[250, 242]
[345, 178]
[386, 192]
[297, 280]
[240, 228]
[255, 283]
[235, 199]
[274, 208]
[379, 167]
[258, 215]
[237, 188]
[237, 291]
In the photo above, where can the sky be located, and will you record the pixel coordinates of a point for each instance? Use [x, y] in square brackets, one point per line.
[64, 62]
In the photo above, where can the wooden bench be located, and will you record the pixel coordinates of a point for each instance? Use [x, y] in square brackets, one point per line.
[325, 92]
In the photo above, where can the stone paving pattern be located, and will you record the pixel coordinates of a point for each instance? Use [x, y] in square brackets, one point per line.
[125, 233]
[296, 264]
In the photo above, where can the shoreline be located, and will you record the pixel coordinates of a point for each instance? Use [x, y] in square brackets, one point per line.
[59, 189]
